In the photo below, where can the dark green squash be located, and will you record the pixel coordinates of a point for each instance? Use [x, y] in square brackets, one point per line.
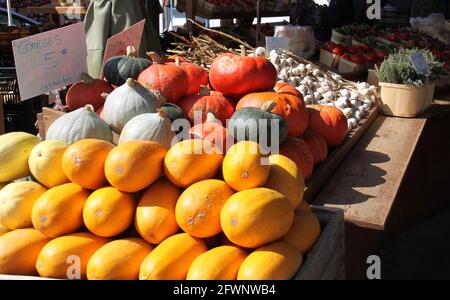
[119, 68]
[246, 121]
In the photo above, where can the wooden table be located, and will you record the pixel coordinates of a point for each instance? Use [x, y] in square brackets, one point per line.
[394, 177]
[57, 12]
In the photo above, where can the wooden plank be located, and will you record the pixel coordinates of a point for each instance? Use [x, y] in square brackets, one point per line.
[333, 266]
[366, 184]
[337, 156]
[331, 238]
[57, 10]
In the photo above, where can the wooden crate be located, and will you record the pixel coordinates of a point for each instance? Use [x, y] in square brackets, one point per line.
[324, 262]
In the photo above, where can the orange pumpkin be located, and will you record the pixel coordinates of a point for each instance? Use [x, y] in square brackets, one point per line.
[155, 215]
[298, 151]
[198, 208]
[170, 79]
[213, 131]
[191, 161]
[289, 105]
[83, 163]
[329, 122]
[235, 75]
[317, 144]
[87, 91]
[134, 165]
[197, 76]
[207, 102]
[304, 231]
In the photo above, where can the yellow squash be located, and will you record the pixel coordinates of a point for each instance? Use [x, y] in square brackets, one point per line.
[134, 165]
[244, 166]
[276, 261]
[286, 178]
[191, 161]
[304, 206]
[67, 257]
[171, 259]
[15, 149]
[221, 263]
[3, 230]
[108, 212]
[84, 163]
[45, 163]
[255, 217]
[118, 260]
[16, 203]
[3, 184]
[304, 232]
[19, 250]
[198, 208]
[155, 215]
[59, 211]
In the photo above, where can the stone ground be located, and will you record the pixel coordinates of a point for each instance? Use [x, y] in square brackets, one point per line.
[423, 252]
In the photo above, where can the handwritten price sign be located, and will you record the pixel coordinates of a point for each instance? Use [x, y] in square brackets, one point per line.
[50, 60]
[117, 44]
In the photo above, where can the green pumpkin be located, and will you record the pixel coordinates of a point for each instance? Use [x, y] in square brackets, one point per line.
[119, 68]
[245, 125]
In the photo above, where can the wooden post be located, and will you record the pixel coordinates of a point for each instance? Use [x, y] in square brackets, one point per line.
[191, 5]
[258, 22]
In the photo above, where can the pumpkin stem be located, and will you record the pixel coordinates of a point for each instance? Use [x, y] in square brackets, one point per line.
[204, 91]
[177, 61]
[268, 106]
[90, 107]
[131, 82]
[131, 51]
[210, 117]
[161, 113]
[87, 78]
[162, 99]
[104, 95]
[154, 57]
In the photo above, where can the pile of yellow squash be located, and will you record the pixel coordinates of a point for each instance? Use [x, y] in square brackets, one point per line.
[138, 211]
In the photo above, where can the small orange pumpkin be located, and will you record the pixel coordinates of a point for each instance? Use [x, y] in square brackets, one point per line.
[197, 76]
[317, 144]
[170, 79]
[289, 105]
[329, 122]
[298, 151]
[207, 102]
[213, 131]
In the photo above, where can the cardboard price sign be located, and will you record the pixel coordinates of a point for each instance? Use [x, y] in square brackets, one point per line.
[117, 44]
[51, 60]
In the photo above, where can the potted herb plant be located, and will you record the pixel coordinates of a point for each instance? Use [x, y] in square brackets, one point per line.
[405, 90]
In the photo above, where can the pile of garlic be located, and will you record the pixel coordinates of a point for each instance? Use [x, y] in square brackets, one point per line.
[354, 100]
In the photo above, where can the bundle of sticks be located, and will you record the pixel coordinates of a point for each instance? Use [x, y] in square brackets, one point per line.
[203, 49]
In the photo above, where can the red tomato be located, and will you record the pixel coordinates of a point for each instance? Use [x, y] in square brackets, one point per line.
[358, 59]
[347, 56]
[329, 46]
[339, 50]
[381, 54]
[372, 57]
[365, 48]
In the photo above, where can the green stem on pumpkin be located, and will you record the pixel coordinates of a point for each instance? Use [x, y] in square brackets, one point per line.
[89, 107]
[268, 106]
[204, 91]
[131, 82]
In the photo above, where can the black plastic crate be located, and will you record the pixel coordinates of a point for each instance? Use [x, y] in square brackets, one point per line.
[18, 115]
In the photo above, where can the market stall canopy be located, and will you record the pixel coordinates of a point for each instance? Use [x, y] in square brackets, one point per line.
[106, 18]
